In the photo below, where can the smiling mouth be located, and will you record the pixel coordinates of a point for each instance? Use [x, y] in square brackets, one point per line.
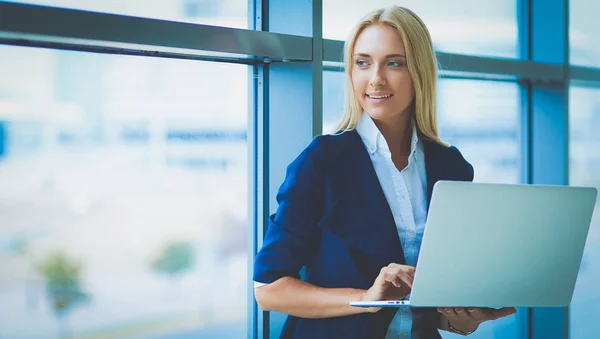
[387, 96]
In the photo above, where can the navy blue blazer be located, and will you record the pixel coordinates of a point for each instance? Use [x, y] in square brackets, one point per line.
[334, 219]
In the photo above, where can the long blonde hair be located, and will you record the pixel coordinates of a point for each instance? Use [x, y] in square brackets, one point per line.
[422, 65]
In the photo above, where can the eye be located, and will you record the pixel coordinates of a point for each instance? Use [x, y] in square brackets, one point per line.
[361, 63]
[394, 64]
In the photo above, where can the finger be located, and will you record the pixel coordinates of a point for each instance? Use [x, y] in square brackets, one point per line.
[462, 313]
[387, 276]
[404, 277]
[502, 312]
[449, 313]
[477, 314]
[408, 269]
[391, 277]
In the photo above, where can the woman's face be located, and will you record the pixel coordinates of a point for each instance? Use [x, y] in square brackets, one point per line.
[382, 83]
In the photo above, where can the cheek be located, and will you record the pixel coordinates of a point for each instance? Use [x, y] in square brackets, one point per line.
[359, 87]
[405, 87]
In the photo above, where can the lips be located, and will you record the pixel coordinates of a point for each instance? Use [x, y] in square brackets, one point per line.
[379, 96]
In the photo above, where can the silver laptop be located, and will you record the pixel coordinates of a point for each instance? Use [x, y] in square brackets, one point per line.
[498, 245]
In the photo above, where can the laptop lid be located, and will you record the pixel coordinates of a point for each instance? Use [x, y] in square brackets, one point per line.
[497, 245]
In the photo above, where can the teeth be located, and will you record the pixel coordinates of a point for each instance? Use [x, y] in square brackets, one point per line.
[379, 97]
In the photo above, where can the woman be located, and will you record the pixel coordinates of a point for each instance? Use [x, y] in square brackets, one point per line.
[353, 206]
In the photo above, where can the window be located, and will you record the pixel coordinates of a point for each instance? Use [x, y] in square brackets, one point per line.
[333, 100]
[584, 166]
[228, 13]
[465, 26]
[584, 27]
[482, 119]
[123, 196]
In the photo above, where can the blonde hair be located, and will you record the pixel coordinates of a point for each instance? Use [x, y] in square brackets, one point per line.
[421, 62]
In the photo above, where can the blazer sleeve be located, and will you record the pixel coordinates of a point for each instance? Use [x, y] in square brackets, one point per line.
[292, 232]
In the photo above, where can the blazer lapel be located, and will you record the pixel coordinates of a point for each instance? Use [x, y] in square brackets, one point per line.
[372, 229]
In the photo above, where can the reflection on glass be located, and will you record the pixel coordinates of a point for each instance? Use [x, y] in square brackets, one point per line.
[481, 118]
[584, 166]
[584, 46]
[123, 196]
[463, 26]
[228, 13]
[333, 100]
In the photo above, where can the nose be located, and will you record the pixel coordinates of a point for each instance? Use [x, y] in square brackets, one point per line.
[377, 78]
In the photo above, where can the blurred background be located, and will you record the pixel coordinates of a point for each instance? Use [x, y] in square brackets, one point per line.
[130, 185]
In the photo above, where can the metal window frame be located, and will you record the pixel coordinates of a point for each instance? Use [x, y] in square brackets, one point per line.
[62, 28]
[280, 60]
[80, 30]
[549, 111]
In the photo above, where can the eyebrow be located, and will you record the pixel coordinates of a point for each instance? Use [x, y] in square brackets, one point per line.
[389, 56]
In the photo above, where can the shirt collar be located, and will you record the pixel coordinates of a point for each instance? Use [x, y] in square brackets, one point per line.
[373, 138]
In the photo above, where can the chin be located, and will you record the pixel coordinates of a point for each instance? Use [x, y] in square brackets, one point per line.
[384, 113]
[380, 114]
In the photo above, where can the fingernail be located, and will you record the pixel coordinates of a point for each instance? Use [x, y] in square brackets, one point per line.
[471, 309]
[447, 310]
[458, 310]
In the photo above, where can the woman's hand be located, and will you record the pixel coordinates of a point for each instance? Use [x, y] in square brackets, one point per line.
[394, 282]
[469, 319]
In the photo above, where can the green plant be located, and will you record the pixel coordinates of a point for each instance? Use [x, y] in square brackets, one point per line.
[175, 258]
[62, 276]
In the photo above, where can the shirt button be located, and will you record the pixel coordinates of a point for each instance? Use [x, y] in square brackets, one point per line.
[405, 335]
[411, 232]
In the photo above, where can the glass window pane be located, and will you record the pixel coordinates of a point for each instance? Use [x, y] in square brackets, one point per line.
[584, 166]
[482, 119]
[227, 13]
[333, 100]
[584, 27]
[464, 26]
[123, 196]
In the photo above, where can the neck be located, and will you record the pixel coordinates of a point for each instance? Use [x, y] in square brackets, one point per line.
[397, 133]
